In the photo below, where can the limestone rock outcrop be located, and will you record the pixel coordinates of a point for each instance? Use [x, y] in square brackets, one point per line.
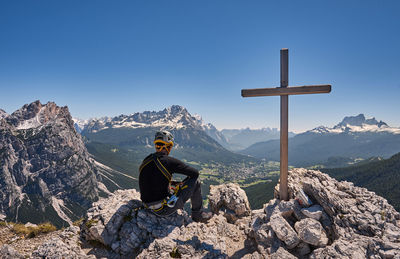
[65, 245]
[46, 172]
[122, 224]
[344, 222]
[358, 223]
[230, 200]
[341, 218]
[7, 251]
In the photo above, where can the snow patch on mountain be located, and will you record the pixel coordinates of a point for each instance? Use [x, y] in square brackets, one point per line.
[32, 122]
[80, 124]
[130, 124]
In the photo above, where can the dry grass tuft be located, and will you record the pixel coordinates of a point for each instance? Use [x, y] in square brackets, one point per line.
[29, 232]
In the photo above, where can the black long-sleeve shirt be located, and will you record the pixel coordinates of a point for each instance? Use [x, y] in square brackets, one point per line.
[152, 182]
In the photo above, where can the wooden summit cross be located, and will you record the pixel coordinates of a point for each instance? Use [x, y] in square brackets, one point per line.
[284, 91]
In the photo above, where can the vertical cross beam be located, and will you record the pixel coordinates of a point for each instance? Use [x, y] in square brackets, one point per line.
[283, 185]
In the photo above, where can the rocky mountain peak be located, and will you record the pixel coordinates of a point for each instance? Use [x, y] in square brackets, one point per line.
[181, 117]
[3, 114]
[36, 114]
[357, 124]
[359, 120]
[46, 171]
[175, 109]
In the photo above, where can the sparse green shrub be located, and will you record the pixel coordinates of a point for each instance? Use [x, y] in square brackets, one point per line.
[90, 223]
[3, 223]
[46, 227]
[383, 214]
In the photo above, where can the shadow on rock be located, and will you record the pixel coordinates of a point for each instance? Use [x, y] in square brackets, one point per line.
[191, 245]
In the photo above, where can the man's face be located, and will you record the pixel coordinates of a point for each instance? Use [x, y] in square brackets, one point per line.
[162, 147]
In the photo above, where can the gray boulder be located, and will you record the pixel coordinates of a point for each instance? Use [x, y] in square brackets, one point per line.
[314, 212]
[358, 223]
[284, 231]
[8, 252]
[311, 232]
[120, 223]
[229, 199]
[281, 253]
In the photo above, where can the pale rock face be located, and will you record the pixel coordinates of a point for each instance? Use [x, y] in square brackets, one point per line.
[302, 249]
[7, 251]
[3, 114]
[229, 199]
[66, 245]
[284, 231]
[358, 222]
[280, 230]
[282, 253]
[311, 232]
[217, 239]
[45, 167]
[121, 223]
[314, 212]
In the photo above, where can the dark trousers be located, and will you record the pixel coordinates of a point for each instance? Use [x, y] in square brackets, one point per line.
[192, 191]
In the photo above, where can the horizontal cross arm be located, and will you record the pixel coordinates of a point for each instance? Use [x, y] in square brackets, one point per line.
[306, 89]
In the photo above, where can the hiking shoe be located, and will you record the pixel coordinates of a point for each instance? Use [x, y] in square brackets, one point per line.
[201, 216]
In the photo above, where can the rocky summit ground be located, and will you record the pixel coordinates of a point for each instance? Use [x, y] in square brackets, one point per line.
[343, 221]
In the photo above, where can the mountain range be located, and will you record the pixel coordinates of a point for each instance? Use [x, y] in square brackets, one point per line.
[194, 140]
[177, 117]
[50, 171]
[354, 137]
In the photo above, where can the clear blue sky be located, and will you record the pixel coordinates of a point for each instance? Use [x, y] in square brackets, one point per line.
[105, 58]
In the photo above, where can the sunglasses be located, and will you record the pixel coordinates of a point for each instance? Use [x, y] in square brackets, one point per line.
[159, 144]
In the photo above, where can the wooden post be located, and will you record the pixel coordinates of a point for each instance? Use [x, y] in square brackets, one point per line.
[283, 185]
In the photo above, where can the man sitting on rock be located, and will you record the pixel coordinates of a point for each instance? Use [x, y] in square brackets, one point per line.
[155, 182]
